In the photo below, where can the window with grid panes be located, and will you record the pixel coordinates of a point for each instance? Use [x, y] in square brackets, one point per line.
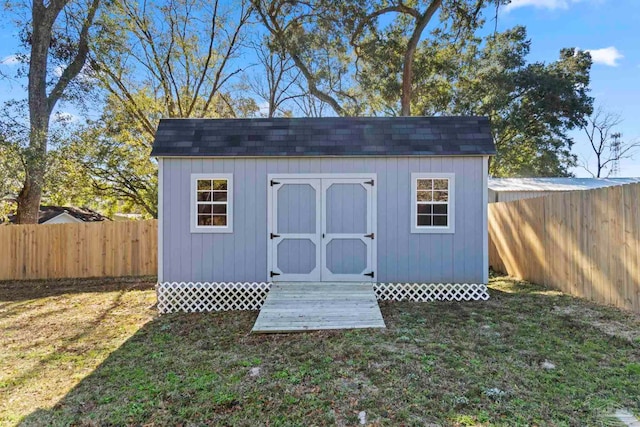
[211, 203]
[432, 202]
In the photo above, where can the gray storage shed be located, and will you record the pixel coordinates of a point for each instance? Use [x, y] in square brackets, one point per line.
[385, 200]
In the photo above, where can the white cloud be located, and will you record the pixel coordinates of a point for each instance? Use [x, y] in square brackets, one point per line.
[57, 71]
[541, 4]
[606, 56]
[66, 117]
[10, 60]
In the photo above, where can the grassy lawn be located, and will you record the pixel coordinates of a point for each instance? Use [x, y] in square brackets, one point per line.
[97, 354]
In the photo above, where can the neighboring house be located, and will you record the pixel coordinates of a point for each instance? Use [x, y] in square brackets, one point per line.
[65, 215]
[508, 189]
[385, 200]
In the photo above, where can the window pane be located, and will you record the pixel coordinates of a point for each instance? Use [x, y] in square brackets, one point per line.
[204, 184]
[424, 209]
[440, 209]
[440, 196]
[204, 209]
[205, 220]
[424, 220]
[219, 196]
[220, 220]
[440, 221]
[220, 184]
[424, 196]
[204, 196]
[441, 184]
[220, 209]
[425, 184]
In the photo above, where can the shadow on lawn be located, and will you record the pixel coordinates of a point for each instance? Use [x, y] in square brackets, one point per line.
[435, 363]
[65, 345]
[12, 291]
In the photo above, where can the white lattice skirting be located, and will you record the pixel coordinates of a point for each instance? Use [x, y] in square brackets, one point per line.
[424, 292]
[205, 296]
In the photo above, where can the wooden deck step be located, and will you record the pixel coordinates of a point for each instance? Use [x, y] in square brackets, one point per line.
[293, 307]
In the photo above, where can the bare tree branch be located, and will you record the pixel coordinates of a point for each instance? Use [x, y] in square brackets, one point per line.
[606, 142]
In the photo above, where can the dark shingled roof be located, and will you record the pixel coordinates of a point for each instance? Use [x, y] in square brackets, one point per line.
[49, 212]
[327, 136]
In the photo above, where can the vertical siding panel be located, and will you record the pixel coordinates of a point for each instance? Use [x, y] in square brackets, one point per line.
[467, 179]
[403, 219]
[167, 260]
[229, 239]
[249, 212]
[184, 205]
[447, 244]
[260, 221]
[393, 204]
[241, 239]
[474, 191]
[177, 215]
[198, 260]
[382, 234]
[462, 208]
[459, 237]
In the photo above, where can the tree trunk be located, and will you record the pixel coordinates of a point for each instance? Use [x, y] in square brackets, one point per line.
[30, 195]
[35, 155]
[407, 66]
[41, 105]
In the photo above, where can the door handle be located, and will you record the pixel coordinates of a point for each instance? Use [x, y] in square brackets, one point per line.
[323, 235]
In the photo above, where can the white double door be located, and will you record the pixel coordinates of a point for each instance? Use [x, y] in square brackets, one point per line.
[322, 228]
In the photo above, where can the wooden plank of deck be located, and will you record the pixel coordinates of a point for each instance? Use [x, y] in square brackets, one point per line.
[291, 307]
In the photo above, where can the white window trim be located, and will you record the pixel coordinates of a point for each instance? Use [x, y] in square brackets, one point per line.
[195, 228]
[414, 204]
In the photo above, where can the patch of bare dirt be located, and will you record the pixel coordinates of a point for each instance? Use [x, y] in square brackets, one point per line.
[33, 289]
[628, 330]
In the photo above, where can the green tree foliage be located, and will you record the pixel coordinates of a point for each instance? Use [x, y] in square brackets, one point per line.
[63, 182]
[355, 58]
[532, 106]
[188, 58]
[336, 44]
[113, 154]
[175, 59]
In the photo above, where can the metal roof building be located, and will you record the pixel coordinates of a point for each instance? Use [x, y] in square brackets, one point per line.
[509, 189]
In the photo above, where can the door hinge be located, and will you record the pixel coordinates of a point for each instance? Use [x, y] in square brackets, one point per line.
[272, 183]
[371, 236]
[369, 274]
[273, 236]
[273, 273]
[369, 182]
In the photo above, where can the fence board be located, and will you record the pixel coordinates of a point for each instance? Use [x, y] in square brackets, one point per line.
[631, 248]
[585, 243]
[99, 249]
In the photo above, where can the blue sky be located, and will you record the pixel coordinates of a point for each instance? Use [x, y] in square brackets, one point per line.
[612, 29]
[609, 28]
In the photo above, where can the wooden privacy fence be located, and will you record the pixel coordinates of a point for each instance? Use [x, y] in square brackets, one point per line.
[585, 243]
[95, 249]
